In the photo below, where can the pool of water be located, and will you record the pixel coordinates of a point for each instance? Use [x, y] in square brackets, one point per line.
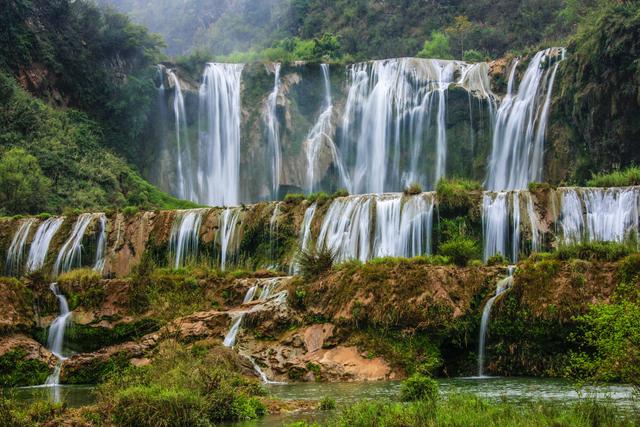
[492, 388]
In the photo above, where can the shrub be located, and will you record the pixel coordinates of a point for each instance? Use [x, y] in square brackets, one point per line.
[593, 251]
[472, 55]
[497, 259]
[623, 178]
[313, 262]
[294, 198]
[413, 189]
[341, 192]
[130, 210]
[454, 195]
[23, 187]
[419, 387]
[327, 403]
[436, 47]
[460, 250]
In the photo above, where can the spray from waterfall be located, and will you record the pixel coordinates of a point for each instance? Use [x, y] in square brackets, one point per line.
[274, 154]
[502, 286]
[518, 137]
[218, 166]
[321, 136]
[16, 251]
[40, 244]
[185, 236]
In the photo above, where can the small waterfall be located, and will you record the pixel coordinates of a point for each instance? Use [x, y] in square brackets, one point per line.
[219, 142]
[16, 251]
[321, 135]
[346, 228]
[533, 224]
[41, 241]
[185, 236]
[70, 254]
[305, 236]
[184, 173]
[403, 229]
[248, 297]
[228, 241]
[230, 338]
[55, 338]
[273, 133]
[273, 231]
[599, 214]
[502, 286]
[391, 114]
[518, 137]
[101, 245]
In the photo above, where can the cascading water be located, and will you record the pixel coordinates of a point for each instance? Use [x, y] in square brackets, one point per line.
[185, 185]
[321, 136]
[219, 143]
[230, 338]
[16, 251]
[502, 286]
[101, 244]
[391, 115]
[273, 231]
[274, 154]
[598, 214]
[346, 228]
[305, 236]
[70, 254]
[228, 239]
[518, 137]
[55, 338]
[185, 236]
[403, 229]
[40, 244]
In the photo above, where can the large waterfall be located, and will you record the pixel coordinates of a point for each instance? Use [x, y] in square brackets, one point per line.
[274, 155]
[185, 176]
[518, 136]
[219, 143]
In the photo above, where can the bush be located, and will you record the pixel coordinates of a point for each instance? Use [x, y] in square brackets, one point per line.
[623, 178]
[313, 262]
[472, 55]
[437, 47]
[594, 251]
[294, 198]
[327, 403]
[23, 187]
[497, 259]
[419, 387]
[454, 196]
[460, 250]
[413, 189]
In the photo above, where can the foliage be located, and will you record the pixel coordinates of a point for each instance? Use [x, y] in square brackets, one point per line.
[413, 189]
[621, 178]
[184, 386]
[17, 370]
[327, 403]
[454, 195]
[419, 387]
[436, 47]
[13, 414]
[472, 55]
[294, 197]
[460, 250]
[593, 251]
[23, 187]
[599, 94]
[313, 262]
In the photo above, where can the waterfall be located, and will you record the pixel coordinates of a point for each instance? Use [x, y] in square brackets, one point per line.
[533, 224]
[599, 214]
[219, 141]
[305, 236]
[391, 114]
[228, 240]
[41, 241]
[230, 338]
[185, 236]
[70, 254]
[518, 137]
[321, 136]
[184, 172]
[273, 133]
[502, 286]
[403, 229]
[273, 231]
[15, 254]
[346, 228]
[101, 245]
[55, 338]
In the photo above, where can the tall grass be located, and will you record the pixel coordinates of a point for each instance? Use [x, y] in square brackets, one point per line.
[621, 178]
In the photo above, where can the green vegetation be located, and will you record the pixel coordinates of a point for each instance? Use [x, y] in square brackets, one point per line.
[18, 370]
[413, 189]
[14, 414]
[460, 250]
[23, 187]
[314, 262]
[185, 386]
[455, 196]
[621, 178]
[419, 387]
[436, 47]
[327, 403]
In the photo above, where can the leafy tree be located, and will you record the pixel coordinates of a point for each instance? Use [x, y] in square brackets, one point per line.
[458, 32]
[436, 47]
[327, 47]
[472, 55]
[23, 187]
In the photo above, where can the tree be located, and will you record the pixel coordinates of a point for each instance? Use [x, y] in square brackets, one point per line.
[437, 47]
[459, 31]
[23, 187]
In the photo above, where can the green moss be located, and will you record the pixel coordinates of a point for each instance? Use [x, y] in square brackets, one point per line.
[97, 370]
[83, 338]
[455, 196]
[17, 370]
